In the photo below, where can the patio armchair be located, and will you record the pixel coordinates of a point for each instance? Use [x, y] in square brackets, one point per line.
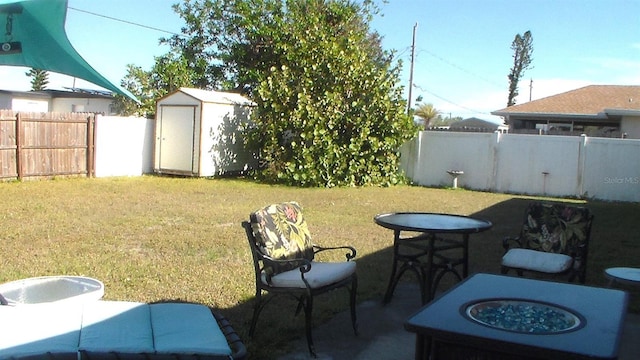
[285, 264]
[554, 239]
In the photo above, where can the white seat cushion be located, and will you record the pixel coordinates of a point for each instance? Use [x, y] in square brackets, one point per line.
[116, 326]
[187, 329]
[321, 274]
[36, 330]
[540, 261]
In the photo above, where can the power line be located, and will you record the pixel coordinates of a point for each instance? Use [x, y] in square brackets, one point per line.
[452, 64]
[399, 54]
[449, 101]
[124, 21]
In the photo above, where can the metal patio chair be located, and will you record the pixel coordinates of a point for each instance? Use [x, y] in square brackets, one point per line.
[283, 258]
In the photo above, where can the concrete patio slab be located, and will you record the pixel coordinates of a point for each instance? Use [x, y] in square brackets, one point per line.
[382, 335]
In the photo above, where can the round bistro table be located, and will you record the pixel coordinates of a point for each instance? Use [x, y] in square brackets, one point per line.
[424, 253]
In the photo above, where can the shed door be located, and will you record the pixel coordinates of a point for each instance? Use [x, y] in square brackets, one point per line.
[175, 140]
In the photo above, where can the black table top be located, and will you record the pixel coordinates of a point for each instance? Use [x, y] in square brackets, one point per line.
[603, 309]
[430, 222]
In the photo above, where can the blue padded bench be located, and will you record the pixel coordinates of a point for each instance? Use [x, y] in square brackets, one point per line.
[39, 332]
[116, 330]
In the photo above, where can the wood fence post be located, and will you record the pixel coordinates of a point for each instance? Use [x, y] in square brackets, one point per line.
[19, 152]
[91, 138]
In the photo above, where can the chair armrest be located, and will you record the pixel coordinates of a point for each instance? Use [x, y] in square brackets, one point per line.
[507, 241]
[305, 264]
[349, 255]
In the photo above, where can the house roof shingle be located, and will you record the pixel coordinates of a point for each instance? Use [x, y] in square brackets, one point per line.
[589, 100]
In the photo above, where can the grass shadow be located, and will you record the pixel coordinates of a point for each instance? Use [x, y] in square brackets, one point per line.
[278, 329]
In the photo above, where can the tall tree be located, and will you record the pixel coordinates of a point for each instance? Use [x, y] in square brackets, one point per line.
[329, 108]
[522, 47]
[39, 79]
[427, 113]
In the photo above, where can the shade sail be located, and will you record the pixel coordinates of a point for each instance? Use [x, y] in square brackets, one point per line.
[35, 37]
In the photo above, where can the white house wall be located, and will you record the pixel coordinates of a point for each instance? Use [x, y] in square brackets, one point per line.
[101, 106]
[5, 101]
[30, 105]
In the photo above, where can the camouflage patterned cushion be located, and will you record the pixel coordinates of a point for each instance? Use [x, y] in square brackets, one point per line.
[555, 228]
[282, 234]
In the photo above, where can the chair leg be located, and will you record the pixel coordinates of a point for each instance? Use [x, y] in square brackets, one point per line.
[393, 280]
[448, 268]
[257, 308]
[308, 307]
[352, 303]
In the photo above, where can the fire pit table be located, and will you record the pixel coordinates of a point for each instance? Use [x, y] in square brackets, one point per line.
[502, 317]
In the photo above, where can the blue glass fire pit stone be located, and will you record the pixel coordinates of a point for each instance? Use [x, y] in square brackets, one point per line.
[522, 316]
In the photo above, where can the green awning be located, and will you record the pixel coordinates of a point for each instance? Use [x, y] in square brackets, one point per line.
[34, 36]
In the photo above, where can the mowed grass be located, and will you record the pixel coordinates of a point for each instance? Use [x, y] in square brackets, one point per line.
[161, 238]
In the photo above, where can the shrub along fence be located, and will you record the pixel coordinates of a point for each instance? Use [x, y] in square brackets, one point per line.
[46, 144]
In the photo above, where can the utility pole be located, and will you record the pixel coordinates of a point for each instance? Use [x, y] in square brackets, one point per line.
[530, 88]
[413, 57]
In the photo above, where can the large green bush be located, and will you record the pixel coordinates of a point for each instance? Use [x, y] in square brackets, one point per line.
[330, 112]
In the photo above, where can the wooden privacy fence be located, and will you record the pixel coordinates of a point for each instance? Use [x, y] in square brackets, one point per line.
[36, 145]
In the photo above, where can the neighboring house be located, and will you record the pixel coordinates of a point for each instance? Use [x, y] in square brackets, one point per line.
[477, 125]
[79, 100]
[595, 110]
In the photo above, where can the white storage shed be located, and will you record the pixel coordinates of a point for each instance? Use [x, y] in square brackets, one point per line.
[198, 133]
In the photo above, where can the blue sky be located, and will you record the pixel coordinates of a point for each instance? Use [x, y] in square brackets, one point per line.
[463, 47]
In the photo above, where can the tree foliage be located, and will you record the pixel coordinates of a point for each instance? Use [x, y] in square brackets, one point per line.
[444, 121]
[427, 113]
[329, 109]
[522, 47]
[39, 79]
[169, 73]
[329, 112]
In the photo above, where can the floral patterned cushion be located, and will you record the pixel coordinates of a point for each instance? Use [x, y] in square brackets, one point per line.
[556, 228]
[282, 234]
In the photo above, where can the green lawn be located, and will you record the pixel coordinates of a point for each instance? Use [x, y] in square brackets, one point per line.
[159, 238]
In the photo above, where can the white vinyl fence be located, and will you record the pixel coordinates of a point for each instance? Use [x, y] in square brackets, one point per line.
[585, 167]
[123, 146]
